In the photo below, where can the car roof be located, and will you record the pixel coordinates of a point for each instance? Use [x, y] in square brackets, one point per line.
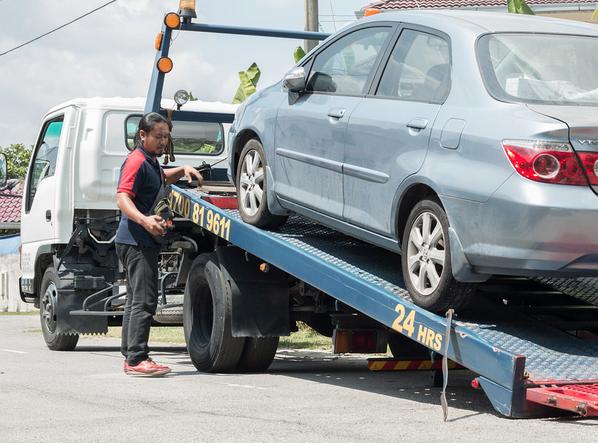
[482, 22]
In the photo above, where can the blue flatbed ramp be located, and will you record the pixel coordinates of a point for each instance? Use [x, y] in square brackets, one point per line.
[512, 352]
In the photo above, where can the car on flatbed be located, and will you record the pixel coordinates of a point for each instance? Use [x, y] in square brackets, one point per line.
[450, 137]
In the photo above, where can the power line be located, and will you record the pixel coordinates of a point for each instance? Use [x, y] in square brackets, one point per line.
[58, 28]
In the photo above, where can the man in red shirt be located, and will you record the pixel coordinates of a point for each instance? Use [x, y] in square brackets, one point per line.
[141, 180]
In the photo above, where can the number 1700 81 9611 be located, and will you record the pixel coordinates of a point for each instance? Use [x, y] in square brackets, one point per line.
[208, 219]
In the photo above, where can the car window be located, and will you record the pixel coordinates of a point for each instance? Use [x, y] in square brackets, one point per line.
[346, 65]
[419, 68]
[201, 138]
[45, 157]
[515, 70]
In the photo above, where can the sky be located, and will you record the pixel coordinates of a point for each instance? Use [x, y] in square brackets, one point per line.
[110, 53]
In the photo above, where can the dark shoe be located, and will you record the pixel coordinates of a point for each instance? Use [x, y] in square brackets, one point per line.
[146, 368]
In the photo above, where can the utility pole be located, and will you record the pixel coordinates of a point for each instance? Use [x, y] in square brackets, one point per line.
[312, 22]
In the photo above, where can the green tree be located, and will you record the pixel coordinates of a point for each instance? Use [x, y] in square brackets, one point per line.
[298, 54]
[17, 157]
[248, 84]
[519, 7]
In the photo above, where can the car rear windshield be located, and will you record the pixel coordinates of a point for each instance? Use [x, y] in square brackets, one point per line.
[540, 68]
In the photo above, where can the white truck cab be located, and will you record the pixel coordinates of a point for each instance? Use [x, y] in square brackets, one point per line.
[74, 171]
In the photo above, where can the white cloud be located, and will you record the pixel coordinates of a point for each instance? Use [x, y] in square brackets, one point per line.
[110, 53]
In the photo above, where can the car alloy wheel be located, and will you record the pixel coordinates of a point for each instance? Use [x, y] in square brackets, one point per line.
[252, 182]
[47, 307]
[426, 253]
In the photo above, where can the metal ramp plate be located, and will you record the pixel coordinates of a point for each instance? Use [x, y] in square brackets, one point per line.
[499, 343]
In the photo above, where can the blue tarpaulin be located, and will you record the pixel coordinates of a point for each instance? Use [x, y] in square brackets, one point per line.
[9, 244]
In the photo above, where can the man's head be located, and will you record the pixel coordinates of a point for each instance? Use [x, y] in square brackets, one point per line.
[153, 133]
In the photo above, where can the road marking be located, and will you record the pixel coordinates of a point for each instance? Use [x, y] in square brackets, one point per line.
[14, 352]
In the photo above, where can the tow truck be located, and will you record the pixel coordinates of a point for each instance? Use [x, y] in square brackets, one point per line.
[532, 347]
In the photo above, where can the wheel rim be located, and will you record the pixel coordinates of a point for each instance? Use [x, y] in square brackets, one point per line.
[426, 253]
[251, 183]
[47, 307]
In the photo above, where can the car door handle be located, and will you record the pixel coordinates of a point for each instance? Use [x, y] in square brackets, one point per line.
[48, 215]
[418, 123]
[337, 113]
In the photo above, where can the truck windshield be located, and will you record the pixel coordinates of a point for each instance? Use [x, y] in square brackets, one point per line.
[540, 68]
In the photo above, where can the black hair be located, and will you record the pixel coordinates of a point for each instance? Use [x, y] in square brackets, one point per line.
[147, 123]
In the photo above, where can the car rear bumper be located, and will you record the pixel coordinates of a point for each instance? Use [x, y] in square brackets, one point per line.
[529, 228]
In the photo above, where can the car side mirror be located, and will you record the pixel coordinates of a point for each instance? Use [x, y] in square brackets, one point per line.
[294, 80]
[3, 169]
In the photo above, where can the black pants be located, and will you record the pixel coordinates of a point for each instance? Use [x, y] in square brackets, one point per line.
[141, 267]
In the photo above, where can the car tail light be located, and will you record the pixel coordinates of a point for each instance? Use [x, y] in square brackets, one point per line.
[589, 160]
[547, 162]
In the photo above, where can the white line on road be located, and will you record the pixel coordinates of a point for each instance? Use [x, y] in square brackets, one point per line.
[14, 352]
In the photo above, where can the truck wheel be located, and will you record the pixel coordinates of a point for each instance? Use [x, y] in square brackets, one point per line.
[252, 188]
[207, 318]
[426, 260]
[47, 313]
[258, 354]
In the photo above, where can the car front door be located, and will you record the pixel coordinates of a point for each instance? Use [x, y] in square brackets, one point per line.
[310, 132]
[388, 134]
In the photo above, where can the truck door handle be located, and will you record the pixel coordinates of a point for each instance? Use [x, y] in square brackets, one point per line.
[337, 113]
[48, 215]
[418, 124]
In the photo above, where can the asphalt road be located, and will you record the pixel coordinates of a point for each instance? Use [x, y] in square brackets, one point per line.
[305, 397]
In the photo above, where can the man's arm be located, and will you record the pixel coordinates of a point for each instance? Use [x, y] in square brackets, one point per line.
[174, 174]
[152, 223]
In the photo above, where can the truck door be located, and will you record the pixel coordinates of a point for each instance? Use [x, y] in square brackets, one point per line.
[39, 212]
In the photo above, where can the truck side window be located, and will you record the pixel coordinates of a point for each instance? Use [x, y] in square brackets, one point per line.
[45, 157]
[189, 138]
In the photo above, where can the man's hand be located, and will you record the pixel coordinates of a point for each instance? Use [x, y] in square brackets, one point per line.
[191, 173]
[154, 224]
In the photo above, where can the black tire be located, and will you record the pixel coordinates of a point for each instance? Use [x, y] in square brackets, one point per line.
[47, 314]
[207, 318]
[258, 354]
[262, 218]
[449, 293]
[402, 347]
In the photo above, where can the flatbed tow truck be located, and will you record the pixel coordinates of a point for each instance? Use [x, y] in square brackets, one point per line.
[529, 343]
[533, 348]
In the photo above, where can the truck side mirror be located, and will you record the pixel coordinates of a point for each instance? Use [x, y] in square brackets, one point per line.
[3, 169]
[294, 80]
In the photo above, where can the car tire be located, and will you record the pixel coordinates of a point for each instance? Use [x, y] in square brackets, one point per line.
[47, 313]
[252, 188]
[426, 261]
[258, 354]
[207, 315]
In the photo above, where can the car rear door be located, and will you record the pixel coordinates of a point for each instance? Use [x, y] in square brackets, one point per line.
[388, 132]
[310, 132]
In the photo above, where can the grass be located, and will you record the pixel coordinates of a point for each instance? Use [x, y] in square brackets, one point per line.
[304, 338]
[35, 312]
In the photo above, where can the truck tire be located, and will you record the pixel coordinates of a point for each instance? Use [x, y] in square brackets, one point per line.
[252, 188]
[426, 261]
[258, 354]
[207, 318]
[47, 314]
